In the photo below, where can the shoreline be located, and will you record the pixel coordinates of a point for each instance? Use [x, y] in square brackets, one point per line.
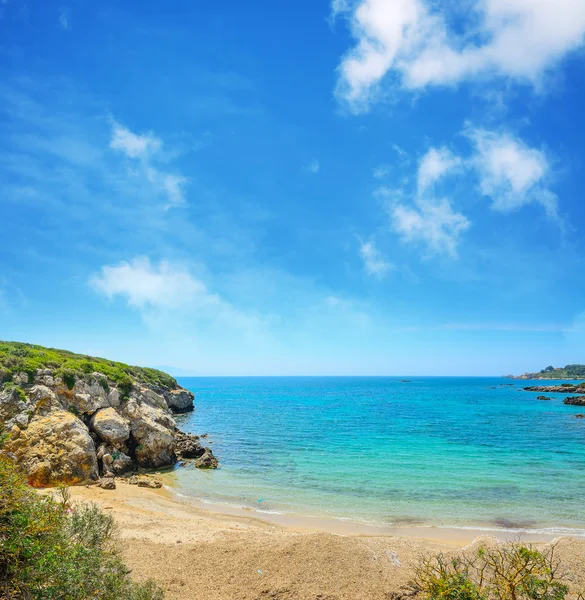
[354, 526]
[347, 526]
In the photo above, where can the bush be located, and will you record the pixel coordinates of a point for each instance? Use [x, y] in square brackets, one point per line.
[511, 571]
[16, 357]
[50, 550]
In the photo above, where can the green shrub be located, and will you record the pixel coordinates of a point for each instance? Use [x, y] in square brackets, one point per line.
[50, 550]
[68, 377]
[511, 571]
[16, 357]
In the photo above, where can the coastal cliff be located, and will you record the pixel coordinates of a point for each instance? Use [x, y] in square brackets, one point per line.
[71, 419]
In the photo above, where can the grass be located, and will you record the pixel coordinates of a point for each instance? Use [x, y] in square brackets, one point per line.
[17, 357]
[51, 550]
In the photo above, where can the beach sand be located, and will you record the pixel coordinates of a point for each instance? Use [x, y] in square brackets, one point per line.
[196, 554]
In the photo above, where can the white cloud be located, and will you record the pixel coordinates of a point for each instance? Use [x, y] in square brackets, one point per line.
[511, 173]
[145, 285]
[430, 223]
[434, 165]
[412, 41]
[133, 145]
[374, 262]
[145, 149]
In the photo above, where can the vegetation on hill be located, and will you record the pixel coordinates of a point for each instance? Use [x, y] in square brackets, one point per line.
[568, 372]
[51, 550]
[17, 357]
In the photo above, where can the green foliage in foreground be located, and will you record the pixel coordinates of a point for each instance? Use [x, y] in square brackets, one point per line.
[511, 571]
[17, 357]
[568, 372]
[52, 551]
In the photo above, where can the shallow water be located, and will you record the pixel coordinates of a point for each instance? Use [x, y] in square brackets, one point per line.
[449, 452]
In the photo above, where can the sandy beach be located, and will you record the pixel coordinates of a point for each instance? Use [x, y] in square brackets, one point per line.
[198, 554]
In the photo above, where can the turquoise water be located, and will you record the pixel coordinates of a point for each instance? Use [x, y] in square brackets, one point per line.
[447, 451]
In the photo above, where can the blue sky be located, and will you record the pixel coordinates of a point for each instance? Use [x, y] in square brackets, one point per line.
[362, 187]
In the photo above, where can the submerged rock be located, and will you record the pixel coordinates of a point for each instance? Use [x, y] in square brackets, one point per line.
[542, 398]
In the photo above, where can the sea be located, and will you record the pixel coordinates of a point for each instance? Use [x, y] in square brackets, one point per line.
[453, 452]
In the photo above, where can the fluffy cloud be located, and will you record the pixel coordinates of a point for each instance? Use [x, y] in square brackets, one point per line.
[432, 224]
[411, 41]
[374, 263]
[144, 149]
[144, 285]
[436, 164]
[511, 173]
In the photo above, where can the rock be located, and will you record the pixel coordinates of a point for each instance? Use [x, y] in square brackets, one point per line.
[11, 404]
[151, 398]
[110, 426]
[145, 481]
[566, 388]
[43, 398]
[154, 433]
[22, 420]
[55, 449]
[88, 397]
[180, 401]
[207, 460]
[122, 463]
[188, 446]
[542, 398]
[114, 398]
[107, 483]
[579, 416]
[575, 400]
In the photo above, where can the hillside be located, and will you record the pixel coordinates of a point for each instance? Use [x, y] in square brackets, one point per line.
[567, 372]
[17, 357]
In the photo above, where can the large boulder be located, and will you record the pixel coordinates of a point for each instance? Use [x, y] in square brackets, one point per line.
[110, 426]
[180, 401]
[153, 431]
[55, 448]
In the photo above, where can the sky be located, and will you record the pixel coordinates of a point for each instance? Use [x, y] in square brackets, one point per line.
[355, 187]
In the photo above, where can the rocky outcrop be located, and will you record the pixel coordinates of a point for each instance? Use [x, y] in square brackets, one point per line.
[190, 447]
[180, 401]
[54, 448]
[565, 388]
[575, 400]
[75, 430]
[542, 398]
